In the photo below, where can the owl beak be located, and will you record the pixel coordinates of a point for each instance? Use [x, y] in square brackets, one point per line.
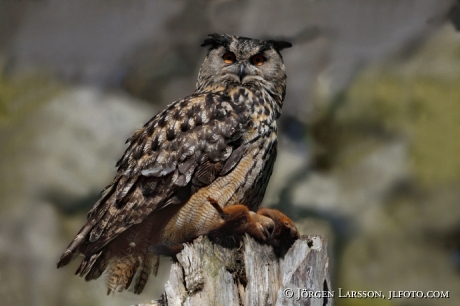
[241, 72]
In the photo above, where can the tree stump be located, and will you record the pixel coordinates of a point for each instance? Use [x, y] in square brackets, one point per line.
[208, 274]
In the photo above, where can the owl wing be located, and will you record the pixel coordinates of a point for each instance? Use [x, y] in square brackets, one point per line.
[180, 150]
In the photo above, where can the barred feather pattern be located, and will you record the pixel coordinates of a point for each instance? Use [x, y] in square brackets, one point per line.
[220, 142]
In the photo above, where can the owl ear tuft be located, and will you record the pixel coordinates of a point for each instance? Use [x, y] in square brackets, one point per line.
[279, 45]
[216, 40]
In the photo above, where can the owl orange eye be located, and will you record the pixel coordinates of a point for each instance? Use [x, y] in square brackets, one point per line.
[258, 60]
[229, 58]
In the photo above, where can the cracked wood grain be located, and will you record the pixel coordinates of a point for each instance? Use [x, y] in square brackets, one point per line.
[208, 274]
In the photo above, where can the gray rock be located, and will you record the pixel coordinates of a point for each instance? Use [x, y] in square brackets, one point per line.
[68, 148]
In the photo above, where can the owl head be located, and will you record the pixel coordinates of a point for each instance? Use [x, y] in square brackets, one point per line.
[241, 61]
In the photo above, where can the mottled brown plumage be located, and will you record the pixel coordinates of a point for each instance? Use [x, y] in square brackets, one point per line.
[219, 142]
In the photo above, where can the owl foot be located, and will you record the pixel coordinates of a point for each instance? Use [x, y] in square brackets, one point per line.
[283, 234]
[236, 221]
[267, 225]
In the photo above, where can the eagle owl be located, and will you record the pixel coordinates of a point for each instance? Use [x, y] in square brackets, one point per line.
[219, 142]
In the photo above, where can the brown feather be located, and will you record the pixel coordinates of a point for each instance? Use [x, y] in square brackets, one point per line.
[219, 141]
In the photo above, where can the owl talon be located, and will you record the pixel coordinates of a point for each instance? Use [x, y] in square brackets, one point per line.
[267, 225]
[284, 232]
[236, 221]
[264, 224]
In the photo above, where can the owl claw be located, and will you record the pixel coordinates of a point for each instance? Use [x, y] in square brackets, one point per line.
[264, 224]
[284, 232]
[267, 225]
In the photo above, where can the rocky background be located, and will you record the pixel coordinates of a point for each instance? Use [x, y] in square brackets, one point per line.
[369, 141]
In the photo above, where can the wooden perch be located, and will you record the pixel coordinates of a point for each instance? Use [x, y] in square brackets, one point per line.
[208, 274]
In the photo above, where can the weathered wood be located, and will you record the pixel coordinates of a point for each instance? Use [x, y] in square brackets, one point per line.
[208, 274]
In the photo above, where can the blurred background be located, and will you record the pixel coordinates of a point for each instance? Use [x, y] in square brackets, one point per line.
[369, 144]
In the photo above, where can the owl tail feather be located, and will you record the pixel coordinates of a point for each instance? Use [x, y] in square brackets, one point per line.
[130, 272]
[150, 266]
[71, 251]
[120, 273]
